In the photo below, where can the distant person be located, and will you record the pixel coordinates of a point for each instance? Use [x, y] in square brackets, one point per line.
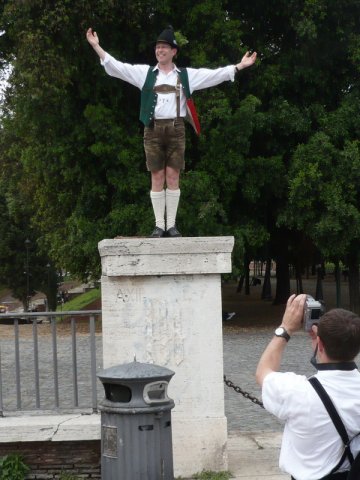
[165, 90]
[312, 448]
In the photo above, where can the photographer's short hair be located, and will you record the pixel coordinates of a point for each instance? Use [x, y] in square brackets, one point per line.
[339, 331]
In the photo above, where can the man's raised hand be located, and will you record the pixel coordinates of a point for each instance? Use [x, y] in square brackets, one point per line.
[92, 37]
[247, 60]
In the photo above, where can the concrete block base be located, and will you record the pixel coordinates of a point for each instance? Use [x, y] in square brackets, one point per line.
[161, 303]
[199, 444]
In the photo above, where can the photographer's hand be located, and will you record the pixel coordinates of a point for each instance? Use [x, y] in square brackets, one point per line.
[294, 313]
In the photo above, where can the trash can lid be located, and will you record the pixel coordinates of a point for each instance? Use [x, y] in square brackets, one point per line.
[134, 371]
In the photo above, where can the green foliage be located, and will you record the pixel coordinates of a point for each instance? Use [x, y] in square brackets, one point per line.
[209, 475]
[181, 39]
[68, 476]
[276, 165]
[324, 193]
[12, 467]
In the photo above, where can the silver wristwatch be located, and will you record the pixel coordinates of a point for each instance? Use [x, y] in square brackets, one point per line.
[281, 332]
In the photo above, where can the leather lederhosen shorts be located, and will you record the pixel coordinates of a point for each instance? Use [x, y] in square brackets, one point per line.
[164, 144]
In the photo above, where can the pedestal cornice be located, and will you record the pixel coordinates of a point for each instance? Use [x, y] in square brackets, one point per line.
[165, 256]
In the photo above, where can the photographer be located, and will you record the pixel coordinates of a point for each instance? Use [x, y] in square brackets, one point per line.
[311, 446]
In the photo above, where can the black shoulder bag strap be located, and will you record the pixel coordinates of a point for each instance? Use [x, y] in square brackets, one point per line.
[320, 390]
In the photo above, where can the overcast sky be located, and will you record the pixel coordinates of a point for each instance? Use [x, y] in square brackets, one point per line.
[3, 75]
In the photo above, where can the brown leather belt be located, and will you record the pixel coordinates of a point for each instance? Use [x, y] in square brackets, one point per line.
[166, 121]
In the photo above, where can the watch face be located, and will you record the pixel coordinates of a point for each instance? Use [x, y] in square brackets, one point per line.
[281, 332]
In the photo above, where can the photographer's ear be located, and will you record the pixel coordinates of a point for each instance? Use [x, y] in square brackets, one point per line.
[314, 339]
[320, 343]
[313, 332]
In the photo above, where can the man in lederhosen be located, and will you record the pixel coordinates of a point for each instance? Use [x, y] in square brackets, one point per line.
[165, 102]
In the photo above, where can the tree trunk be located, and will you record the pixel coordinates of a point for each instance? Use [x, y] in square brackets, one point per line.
[266, 290]
[282, 280]
[338, 284]
[299, 284]
[319, 295]
[240, 284]
[247, 275]
[353, 262]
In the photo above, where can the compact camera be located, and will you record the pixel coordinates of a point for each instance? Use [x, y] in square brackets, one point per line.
[313, 310]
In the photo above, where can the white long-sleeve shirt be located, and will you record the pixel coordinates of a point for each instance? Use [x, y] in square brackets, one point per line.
[199, 78]
[311, 446]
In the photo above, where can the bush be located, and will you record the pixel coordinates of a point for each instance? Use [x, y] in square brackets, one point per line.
[68, 476]
[12, 467]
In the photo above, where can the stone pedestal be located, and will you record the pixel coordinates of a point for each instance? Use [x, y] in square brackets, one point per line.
[161, 302]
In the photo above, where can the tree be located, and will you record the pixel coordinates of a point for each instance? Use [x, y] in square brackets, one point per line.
[324, 191]
[81, 146]
[74, 136]
[22, 268]
[301, 84]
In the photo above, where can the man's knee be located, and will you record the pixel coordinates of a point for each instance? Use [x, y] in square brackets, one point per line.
[172, 178]
[157, 180]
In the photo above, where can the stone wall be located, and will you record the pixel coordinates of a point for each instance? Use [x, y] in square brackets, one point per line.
[48, 460]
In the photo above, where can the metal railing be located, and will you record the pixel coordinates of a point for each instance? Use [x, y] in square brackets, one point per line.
[48, 374]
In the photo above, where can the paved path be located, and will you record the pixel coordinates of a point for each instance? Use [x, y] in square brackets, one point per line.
[254, 456]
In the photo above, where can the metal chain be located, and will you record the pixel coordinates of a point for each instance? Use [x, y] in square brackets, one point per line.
[255, 400]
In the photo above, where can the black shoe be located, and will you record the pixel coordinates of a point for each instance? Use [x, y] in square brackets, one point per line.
[173, 232]
[157, 233]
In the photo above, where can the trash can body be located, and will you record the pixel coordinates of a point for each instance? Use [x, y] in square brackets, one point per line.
[149, 457]
[136, 438]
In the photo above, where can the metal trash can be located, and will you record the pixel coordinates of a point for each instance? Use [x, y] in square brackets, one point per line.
[136, 440]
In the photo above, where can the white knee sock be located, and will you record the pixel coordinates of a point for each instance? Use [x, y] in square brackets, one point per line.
[158, 203]
[172, 202]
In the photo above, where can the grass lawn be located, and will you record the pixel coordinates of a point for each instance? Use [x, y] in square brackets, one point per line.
[80, 301]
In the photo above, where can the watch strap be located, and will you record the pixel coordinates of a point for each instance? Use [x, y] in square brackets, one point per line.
[283, 334]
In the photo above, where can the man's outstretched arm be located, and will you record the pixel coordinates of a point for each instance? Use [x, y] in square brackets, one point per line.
[292, 320]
